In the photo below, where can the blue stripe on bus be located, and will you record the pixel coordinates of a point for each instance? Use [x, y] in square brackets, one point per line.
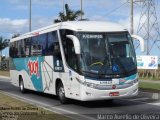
[36, 76]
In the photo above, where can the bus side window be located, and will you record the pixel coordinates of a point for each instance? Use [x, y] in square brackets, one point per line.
[56, 50]
[21, 46]
[36, 48]
[23, 49]
[58, 63]
[72, 61]
[52, 42]
[69, 50]
[11, 52]
[43, 44]
[27, 46]
[15, 49]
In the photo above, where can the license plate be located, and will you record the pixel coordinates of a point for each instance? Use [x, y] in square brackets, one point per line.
[114, 94]
[106, 83]
[115, 81]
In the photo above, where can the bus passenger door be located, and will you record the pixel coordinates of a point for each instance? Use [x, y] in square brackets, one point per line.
[72, 64]
[74, 84]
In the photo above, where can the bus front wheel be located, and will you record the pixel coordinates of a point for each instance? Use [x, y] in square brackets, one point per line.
[61, 93]
[21, 85]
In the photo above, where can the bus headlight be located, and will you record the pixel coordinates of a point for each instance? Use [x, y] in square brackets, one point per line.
[81, 81]
[132, 81]
[92, 85]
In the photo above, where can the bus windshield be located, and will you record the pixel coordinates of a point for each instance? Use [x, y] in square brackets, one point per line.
[107, 54]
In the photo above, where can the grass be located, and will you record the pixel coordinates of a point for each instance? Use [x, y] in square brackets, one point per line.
[4, 73]
[152, 87]
[11, 108]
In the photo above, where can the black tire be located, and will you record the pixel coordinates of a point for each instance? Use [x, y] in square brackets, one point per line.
[21, 85]
[61, 93]
[110, 101]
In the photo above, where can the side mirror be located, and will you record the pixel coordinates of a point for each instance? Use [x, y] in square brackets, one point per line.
[76, 43]
[141, 40]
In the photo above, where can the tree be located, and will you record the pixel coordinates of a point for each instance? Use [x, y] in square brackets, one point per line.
[3, 44]
[70, 15]
[16, 35]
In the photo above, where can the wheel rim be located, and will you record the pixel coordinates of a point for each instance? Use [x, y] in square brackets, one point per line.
[21, 86]
[61, 92]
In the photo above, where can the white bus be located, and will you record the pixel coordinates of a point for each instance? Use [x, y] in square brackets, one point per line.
[82, 60]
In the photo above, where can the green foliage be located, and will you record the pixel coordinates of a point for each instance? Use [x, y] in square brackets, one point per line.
[69, 16]
[149, 86]
[16, 35]
[3, 43]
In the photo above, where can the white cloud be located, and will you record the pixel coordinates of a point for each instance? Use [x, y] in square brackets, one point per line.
[40, 21]
[24, 4]
[13, 25]
[94, 10]
[126, 22]
[97, 18]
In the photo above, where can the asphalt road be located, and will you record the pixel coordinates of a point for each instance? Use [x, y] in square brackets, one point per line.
[139, 107]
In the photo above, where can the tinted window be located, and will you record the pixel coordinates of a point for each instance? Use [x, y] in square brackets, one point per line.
[44, 44]
[42, 39]
[11, 49]
[20, 48]
[27, 43]
[15, 49]
[52, 41]
[36, 48]
[69, 50]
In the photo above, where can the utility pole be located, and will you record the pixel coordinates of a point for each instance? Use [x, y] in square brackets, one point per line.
[131, 17]
[81, 9]
[148, 24]
[63, 7]
[30, 19]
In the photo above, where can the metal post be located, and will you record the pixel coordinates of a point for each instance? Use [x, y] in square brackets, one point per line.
[148, 29]
[81, 9]
[131, 17]
[30, 19]
[63, 7]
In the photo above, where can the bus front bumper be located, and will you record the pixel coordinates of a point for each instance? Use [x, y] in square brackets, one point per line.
[90, 94]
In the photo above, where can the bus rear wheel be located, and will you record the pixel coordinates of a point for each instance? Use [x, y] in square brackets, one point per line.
[21, 85]
[61, 93]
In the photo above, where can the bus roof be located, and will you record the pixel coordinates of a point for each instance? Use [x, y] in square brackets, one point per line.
[84, 26]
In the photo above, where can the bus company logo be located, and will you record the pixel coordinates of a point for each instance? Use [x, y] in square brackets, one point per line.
[33, 67]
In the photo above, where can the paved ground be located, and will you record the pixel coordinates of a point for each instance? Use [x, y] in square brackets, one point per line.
[140, 105]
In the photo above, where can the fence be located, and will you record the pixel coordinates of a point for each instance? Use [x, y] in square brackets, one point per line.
[149, 74]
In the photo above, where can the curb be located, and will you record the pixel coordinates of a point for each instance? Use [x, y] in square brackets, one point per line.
[155, 96]
[4, 77]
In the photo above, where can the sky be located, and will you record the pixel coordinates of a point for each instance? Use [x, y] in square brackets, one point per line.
[14, 14]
